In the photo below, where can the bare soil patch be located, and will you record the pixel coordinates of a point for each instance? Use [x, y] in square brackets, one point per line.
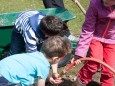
[69, 77]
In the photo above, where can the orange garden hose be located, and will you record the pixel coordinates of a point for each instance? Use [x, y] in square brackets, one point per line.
[68, 67]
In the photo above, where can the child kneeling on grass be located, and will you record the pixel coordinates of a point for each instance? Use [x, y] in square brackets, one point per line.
[33, 68]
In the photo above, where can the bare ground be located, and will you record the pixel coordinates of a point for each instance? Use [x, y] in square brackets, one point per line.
[69, 77]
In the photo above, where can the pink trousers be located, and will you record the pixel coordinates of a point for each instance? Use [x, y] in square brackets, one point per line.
[105, 53]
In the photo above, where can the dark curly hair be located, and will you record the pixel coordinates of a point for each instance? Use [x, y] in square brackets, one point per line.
[52, 25]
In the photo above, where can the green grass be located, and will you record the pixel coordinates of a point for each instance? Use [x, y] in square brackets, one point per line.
[21, 5]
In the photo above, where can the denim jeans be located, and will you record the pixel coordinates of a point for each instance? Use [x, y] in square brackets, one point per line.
[17, 43]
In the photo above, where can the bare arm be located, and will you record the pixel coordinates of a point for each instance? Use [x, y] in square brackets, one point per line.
[54, 68]
[40, 82]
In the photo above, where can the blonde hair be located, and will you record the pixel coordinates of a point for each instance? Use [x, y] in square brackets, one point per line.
[55, 46]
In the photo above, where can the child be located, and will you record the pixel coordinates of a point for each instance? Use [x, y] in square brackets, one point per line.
[31, 29]
[98, 34]
[33, 68]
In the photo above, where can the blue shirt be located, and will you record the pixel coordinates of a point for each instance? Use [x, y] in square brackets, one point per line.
[25, 68]
[27, 24]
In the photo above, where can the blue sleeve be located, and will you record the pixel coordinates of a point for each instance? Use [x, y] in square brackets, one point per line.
[30, 40]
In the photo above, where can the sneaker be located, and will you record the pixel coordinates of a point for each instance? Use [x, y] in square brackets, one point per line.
[78, 82]
[73, 38]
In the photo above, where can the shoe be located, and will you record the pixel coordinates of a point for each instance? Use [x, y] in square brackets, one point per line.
[78, 83]
[73, 38]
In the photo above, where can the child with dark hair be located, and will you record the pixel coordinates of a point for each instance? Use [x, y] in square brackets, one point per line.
[27, 69]
[31, 29]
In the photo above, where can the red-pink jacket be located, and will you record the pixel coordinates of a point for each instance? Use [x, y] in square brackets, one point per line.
[99, 24]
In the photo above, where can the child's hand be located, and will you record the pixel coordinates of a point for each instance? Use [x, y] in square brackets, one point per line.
[76, 60]
[55, 79]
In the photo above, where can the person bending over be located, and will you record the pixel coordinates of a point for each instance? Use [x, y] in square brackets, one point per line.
[27, 69]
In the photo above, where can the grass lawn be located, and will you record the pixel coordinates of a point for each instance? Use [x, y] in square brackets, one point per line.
[21, 5]
[74, 25]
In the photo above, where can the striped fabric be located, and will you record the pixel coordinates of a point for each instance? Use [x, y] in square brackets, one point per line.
[24, 27]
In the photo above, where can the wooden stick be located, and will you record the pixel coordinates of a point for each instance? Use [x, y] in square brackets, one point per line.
[79, 5]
